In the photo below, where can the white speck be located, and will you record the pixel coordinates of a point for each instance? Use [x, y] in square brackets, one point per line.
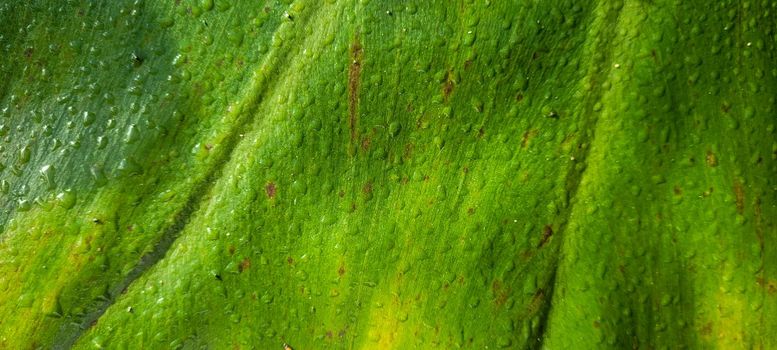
[617, 65]
[749, 43]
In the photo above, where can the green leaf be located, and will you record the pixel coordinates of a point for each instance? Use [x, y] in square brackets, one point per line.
[386, 174]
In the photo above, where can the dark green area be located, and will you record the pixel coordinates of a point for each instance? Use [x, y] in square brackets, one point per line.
[388, 174]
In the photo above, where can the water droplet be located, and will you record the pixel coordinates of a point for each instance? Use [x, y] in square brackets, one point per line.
[23, 205]
[47, 174]
[267, 298]
[88, 118]
[98, 175]
[24, 154]
[102, 141]
[394, 128]
[66, 199]
[132, 134]
[128, 167]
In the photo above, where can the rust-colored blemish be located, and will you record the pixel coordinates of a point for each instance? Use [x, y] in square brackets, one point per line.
[547, 231]
[231, 249]
[706, 329]
[527, 136]
[408, 150]
[447, 89]
[739, 192]
[367, 189]
[711, 159]
[769, 285]
[341, 270]
[354, 79]
[759, 232]
[500, 292]
[677, 190]
[270, 189]
[366, 141]
[536, 302]
[244, 265]
[290, 260]
[519, 97]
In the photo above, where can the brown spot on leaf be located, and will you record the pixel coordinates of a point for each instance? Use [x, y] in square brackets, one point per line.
[519, 97]
[231, 249]
[366, 143]
[536, 302]
[367, 189]
[769, 285]
[290, 260]
[711, 159]
[354, 80]
[677, 190]
[447, 89]
[706, 329]
[527, 136]
[759, 232]
[500, 292]
[270, 189]
[739, 192]
[408, 150]
[244, 265]
[341, 271]
[547, 231]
